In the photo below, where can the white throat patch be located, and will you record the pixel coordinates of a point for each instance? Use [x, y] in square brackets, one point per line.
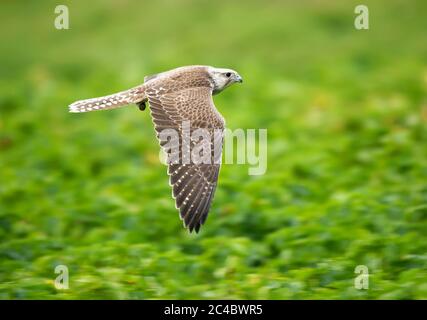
[220, 80]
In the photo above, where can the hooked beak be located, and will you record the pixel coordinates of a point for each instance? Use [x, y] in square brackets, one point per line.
[239, 78]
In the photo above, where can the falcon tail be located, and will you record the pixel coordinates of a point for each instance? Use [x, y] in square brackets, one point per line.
[113, 101]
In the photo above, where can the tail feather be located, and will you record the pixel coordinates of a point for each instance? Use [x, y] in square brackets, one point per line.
[112, 101]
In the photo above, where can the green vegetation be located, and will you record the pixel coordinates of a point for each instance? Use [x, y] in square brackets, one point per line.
[346, 185]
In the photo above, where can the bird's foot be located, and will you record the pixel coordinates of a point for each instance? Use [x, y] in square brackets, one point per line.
[141, 105]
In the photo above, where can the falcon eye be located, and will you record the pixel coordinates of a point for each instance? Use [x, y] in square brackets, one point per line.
[228, 74]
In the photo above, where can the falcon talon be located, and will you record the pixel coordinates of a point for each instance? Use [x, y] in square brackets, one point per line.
[176, 96]
[142, 105]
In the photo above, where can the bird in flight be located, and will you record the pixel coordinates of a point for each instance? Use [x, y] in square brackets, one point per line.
[181, 100]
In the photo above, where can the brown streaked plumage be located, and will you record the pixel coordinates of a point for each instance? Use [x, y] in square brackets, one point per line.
[175, 97]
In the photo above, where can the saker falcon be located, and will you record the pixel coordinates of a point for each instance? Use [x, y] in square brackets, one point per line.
[177, 97]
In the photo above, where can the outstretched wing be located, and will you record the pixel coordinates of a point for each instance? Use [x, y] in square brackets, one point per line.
[193, 184]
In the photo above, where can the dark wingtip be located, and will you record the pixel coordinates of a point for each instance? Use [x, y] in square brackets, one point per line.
[193, 227]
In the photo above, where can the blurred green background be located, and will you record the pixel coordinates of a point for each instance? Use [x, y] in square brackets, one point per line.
[346, 185]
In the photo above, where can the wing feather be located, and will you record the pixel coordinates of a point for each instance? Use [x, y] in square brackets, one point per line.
[193, 185]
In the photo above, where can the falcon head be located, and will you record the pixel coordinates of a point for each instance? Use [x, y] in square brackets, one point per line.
[223, 78]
